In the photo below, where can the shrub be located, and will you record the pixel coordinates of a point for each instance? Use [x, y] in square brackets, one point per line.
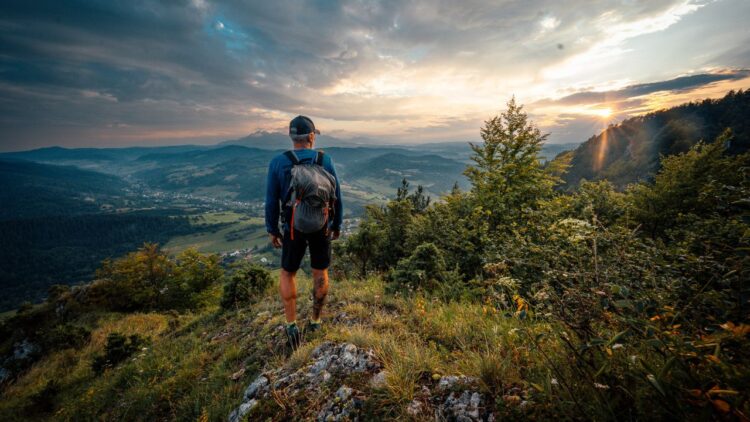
[44, 400]
[423, 269]
[117, 349]
[64, 336]
[245, 284]
[148, 279]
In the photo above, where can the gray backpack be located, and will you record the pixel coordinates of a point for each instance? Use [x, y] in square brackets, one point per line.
[311, 195]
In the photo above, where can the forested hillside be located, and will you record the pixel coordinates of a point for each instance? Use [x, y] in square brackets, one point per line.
[30, 189]
[509, 300]
[630, 151]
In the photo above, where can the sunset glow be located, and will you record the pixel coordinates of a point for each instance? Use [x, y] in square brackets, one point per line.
[412, 72]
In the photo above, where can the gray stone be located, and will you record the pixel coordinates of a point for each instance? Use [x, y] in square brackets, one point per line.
[414, 408]
[241, 411]
[379, 380]
[252, 390]
[344, 392]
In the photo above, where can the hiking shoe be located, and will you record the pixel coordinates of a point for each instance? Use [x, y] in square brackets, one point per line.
[293, 337]
[312, 327]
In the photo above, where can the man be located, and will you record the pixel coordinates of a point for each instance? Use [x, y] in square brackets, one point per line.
[292, 242]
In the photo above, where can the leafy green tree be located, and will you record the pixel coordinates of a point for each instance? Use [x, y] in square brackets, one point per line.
[364, 246]
[703, 182]
[419, 200]
[456, 228]
[194, 273]
[134, 281]
[507, 177]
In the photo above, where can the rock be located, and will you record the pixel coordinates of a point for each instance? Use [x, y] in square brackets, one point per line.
[343, 407]
[24, 349]
[450, 381]
[252, 390]
[414, 408]
[238, 374]
[329, 362]
[463, 408]
[379, 380]
[241, 411]
[344, 392]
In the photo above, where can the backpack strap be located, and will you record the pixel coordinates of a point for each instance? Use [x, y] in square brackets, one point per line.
[319, 158]
[292, 157]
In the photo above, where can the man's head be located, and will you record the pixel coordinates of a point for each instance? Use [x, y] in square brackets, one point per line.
[302, 131]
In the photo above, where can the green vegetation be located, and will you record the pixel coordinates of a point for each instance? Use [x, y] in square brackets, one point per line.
[643, 291]
[630, 151]
[596, 304]
[32, 190]
[246, 283]
[37, 253]
[220, 232]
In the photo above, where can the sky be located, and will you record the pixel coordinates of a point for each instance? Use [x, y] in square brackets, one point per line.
[140, 72]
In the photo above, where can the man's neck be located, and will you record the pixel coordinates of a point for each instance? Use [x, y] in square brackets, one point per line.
[301, 147]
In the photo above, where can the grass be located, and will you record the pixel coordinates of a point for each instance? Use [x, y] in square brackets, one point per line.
[187, 371]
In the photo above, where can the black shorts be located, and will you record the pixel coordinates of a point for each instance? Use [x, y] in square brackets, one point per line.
[292, 251]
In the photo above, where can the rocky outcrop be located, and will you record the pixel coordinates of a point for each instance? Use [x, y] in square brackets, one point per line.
[330, 364]
[336, 381]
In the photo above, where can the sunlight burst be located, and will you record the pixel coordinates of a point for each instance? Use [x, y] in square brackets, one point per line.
[602, 112]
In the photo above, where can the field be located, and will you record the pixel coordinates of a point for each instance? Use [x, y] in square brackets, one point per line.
[233, 231]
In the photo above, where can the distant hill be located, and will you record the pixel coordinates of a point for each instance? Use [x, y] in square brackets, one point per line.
[630, 151]
[32, 189]
[436, 173]
[278, 140]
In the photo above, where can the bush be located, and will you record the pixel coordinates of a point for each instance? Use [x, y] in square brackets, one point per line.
[117, 349]
[148, 279]
[423, 269]
[245, 284]
[44, 400]
[64, 336]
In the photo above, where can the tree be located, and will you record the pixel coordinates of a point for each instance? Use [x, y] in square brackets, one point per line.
[363, 246]
[419, 201]
[507, 178]
[702, 182]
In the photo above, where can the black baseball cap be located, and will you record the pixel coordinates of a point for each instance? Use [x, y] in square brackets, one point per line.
[302, 125]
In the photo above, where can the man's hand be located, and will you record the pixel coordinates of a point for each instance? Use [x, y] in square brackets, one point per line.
[334, 234]
[275, 240]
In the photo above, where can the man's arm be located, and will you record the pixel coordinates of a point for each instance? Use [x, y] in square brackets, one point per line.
[272, 200]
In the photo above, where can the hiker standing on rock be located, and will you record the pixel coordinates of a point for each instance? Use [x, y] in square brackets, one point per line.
[304, 191]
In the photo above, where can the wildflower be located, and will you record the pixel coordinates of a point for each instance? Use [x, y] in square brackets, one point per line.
[617, 346]
[554, 382]
[601, 386]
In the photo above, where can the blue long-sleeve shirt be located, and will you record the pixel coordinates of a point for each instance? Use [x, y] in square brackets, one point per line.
[277, 186]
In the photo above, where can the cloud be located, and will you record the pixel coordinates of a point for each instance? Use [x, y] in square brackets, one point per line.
[682, 83]
[114, 73]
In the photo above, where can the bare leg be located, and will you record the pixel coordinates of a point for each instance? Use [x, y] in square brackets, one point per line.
[288, 291]
[320, 290]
